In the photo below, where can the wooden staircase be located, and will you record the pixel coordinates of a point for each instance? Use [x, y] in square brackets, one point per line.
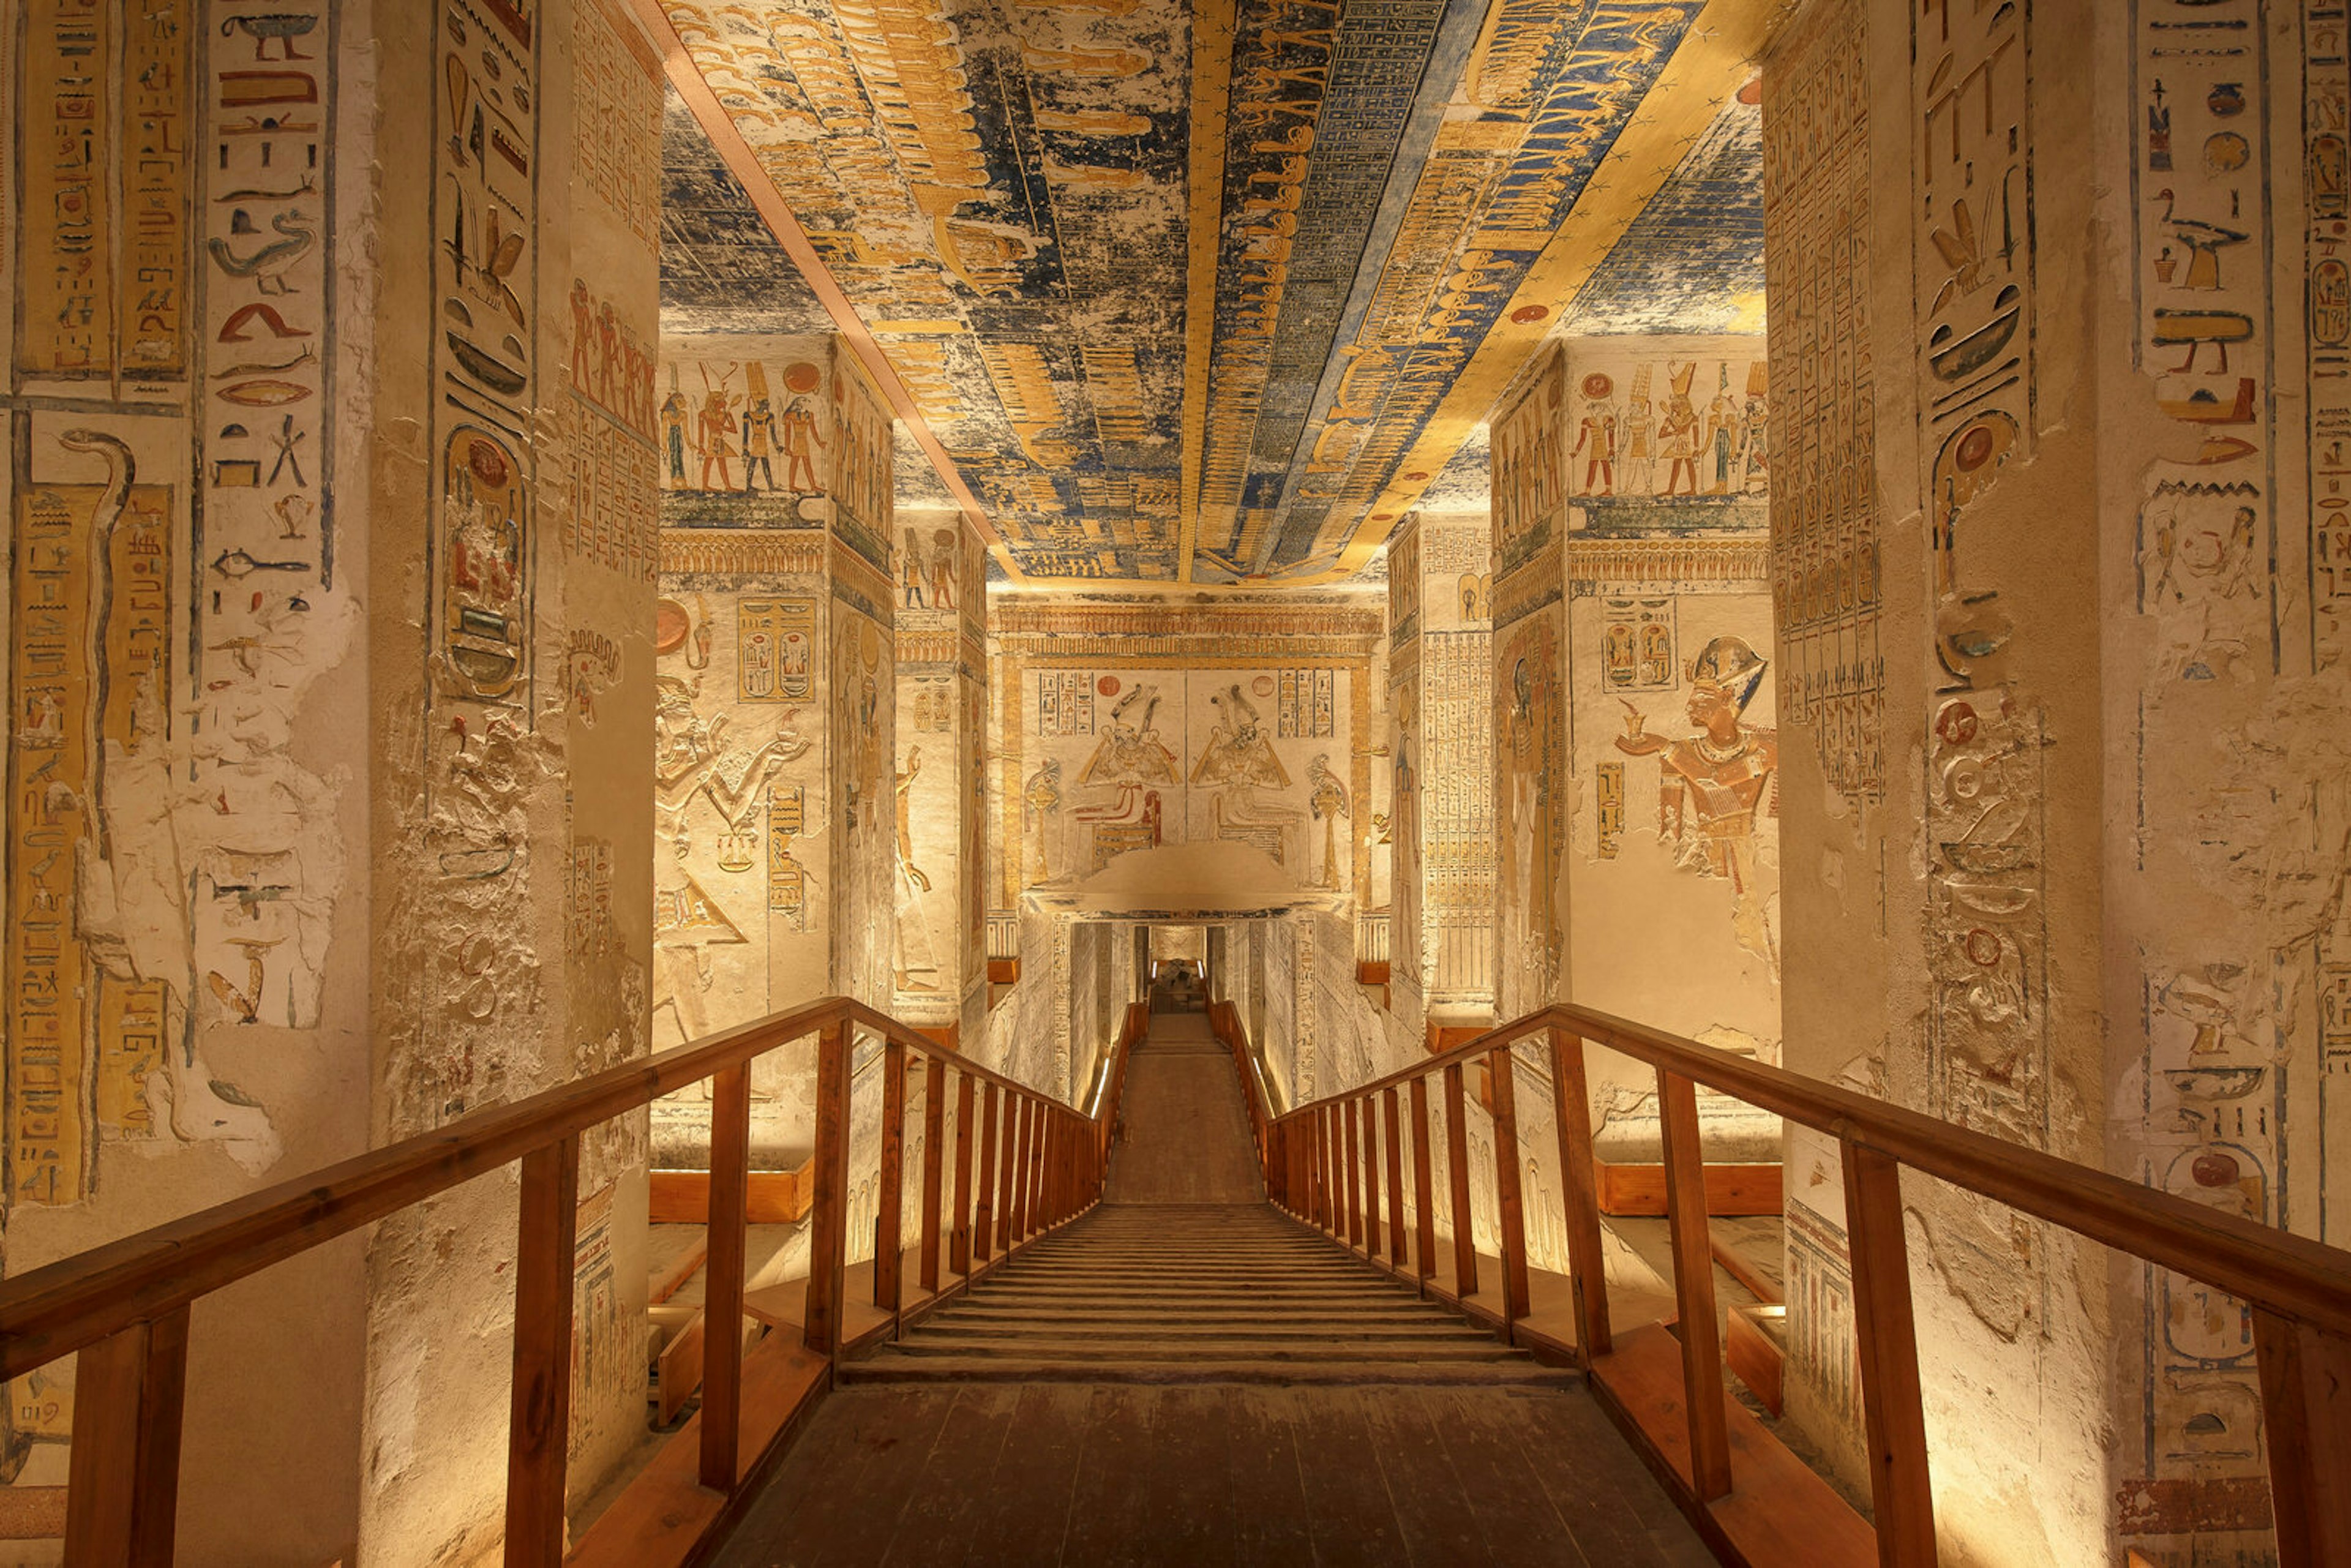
[1194, 1293]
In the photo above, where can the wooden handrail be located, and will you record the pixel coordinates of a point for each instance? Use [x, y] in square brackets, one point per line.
[122, 1301]
[2299, 1289]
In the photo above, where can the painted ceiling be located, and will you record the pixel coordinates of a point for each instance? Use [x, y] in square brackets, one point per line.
[1214, 292]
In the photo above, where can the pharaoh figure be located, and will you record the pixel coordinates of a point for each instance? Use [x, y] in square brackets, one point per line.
[916, 969]
[1677, 434]
[1713, 786]
[1534, 847]
[1328, 798]
[1041, 798]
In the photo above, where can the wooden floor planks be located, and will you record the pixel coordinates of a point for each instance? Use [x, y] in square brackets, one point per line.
[1099, 1475]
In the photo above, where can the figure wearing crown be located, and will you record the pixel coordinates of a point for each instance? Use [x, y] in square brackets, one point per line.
[1713, 785]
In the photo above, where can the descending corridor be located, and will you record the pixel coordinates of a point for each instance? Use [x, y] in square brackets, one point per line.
[1185, 1376]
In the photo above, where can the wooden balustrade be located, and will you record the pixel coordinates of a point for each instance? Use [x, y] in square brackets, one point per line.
[2299, 1292]
[125, 1308]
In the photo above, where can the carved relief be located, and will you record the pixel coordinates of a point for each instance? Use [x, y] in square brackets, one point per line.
[1824, 525]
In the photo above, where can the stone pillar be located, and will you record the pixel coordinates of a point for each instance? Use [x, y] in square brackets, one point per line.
[2062, 690]
[776, 870]
[310, 630]
[511, 679]
[940, 967]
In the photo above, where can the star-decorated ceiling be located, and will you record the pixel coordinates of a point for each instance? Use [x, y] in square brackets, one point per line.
[1214, 293]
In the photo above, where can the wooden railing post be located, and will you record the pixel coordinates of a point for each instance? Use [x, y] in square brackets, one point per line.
[1580, 1196]
[1457, 1162]
[959, 1238]
[934, 1159]
[890, 1194]
[2305, 1374]
[1351, 1189]
[1027, 1148]
[1396, 1178]
[538, 1434]
[829, 1199]
[1318, 1134]
[1015, 1117]
[1509, 1207]
[1686, 1218]
[1887, 1336]
[1041, 1163]
[122, 1496]
[1424, 1187]
[1371, 1119]
[722, 1301]
[983, 1221]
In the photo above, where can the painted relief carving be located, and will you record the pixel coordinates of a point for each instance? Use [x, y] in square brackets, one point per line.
[774, 644]
[1459, 842]
[616, 117]
[1530, 790]
[103, 270]
[915, 966]
[1715, 787]
[1824, 527]
[728, 426]
[1529, 478]
[1040, 798]
[1971, 95]
[1328, 799]
[1239, 756]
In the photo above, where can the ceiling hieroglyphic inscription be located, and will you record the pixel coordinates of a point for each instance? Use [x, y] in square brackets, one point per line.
[1014, 198]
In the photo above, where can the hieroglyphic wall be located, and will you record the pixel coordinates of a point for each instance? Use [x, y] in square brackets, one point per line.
[2240, 316]
[1943, 574]
[941, 616]
[255, 967]
[1453, 766]
[775, 869]
[1530, 488]
[175, 820]
[1239, 724]
[1824, 530]
[1675, 917]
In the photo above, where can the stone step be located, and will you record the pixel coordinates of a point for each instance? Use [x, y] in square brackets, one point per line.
[891, 1367]
[980, 1309]
[1342, 1332]
[1044, 1347]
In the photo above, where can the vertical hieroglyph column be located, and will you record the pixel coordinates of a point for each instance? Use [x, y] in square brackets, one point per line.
[1407, 743]
[1936, 572]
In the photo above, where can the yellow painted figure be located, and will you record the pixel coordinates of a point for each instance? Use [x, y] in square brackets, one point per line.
[1713, 785]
